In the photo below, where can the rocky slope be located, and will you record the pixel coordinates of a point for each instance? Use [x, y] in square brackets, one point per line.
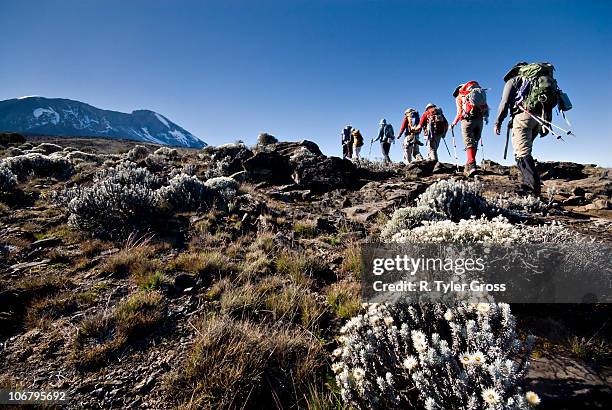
[64, 117]
[265, 281]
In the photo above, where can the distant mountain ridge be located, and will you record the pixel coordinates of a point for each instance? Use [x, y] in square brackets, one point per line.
[64, 117]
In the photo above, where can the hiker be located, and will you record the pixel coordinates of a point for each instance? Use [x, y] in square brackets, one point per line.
[472, 109]
[530, 94]
[386, 137]
[411, 139]
[357, 143]
[347, 142]
[436, 127]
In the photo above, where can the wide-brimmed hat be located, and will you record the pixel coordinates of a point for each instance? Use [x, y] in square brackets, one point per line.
[514, 70]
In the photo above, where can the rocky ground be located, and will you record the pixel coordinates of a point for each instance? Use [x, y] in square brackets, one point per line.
[133, 322]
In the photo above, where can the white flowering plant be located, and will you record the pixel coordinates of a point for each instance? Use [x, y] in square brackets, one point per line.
[432, 356]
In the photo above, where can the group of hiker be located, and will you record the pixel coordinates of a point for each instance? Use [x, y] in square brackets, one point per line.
[530, 94]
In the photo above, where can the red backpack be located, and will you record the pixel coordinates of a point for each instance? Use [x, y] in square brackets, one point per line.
[473, 99]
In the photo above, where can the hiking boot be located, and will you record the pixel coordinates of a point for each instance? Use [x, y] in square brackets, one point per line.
[470, 169]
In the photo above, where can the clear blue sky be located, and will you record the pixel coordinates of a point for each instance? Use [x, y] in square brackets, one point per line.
[228, 70]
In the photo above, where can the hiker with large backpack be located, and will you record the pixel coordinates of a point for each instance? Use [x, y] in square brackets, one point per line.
[436, 126]
[357, 143]
[530, 94]
[347, 142]
[472, 110]
[411, 140]
[386, 137]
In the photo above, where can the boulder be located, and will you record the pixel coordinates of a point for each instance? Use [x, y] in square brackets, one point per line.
[268, 166]
[321, 174]
[7, 138]
[366, 212]
[561, 170]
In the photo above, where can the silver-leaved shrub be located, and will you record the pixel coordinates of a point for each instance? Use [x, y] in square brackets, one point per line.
[139, 152]
[226, 189]
[119, 201]
[8, 180]
[186, 193]
[456, 199]
[408, 218]
[34, 164]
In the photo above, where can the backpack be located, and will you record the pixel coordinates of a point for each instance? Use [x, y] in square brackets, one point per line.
[357, 138]
[539, 90]
[437, 121]
[346, 135]
[473, 100]
[388, 133]
[413, 118]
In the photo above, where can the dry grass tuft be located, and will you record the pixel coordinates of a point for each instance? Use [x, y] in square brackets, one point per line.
[100, 336]
[343, 297]
[205, 264]
[238, 364]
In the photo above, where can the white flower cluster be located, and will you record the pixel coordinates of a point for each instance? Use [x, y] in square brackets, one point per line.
[8, 180]
[186, 193]
[432, 356]
[456, 199]
[139, 152]
[40, 165]
[482, 230]
[518, 203]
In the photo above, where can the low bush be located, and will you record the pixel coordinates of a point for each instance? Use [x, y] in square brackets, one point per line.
[170, 153]
[265, 139]
[8, 180]
[226, 188]
[24, 166]
[120, 200]
[138, 153]
[49, 148]
[186, 193]
[455, 199]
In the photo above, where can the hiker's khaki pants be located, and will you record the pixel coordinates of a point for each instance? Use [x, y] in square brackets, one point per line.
[357, 151]
[524, 130]
[471, 130]
[432, 147]
[411, 148]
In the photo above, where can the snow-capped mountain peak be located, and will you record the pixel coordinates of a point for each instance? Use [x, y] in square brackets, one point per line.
[63, 117]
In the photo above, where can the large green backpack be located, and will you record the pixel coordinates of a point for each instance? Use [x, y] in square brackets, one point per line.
[540, 90]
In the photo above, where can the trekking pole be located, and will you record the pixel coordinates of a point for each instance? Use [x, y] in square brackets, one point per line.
[446, 145]
[548, 124]
[370, 151]
[484, 166]
[454, 148]
[542, 124]
[507, 139]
